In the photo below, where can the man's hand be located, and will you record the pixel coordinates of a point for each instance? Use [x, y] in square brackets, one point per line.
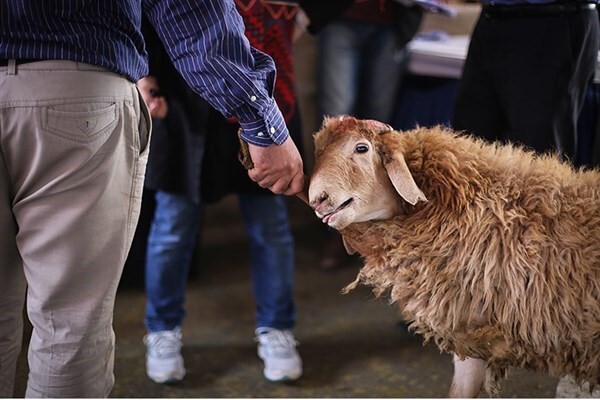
[157, 104]
[277, 167]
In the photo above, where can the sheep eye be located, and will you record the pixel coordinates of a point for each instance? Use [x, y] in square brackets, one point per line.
[362, 148]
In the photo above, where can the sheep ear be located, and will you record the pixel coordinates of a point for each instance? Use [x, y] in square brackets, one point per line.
[402, 180]
[349, 249]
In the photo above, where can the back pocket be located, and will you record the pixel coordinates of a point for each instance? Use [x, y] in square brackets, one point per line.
[83, 123]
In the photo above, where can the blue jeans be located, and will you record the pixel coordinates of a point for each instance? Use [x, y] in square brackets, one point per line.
[359, 70]
[171, 243]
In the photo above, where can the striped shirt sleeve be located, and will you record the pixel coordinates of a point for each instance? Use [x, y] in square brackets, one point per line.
[206, 42]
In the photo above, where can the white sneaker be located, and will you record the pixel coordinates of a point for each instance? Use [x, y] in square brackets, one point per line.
[164, 363]
[278, 350]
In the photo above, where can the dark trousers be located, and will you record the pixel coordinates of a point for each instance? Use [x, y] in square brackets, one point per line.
[525, 78]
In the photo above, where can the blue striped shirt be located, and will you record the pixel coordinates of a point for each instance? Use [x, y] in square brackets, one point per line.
[204, 38]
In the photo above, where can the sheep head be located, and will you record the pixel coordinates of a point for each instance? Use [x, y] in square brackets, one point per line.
[356, 178]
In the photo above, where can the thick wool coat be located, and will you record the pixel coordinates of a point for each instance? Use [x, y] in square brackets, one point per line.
[503, 261]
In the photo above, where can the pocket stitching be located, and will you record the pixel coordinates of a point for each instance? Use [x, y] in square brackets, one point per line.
[81, 138]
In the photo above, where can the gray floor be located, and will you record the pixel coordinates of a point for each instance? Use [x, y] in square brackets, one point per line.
[352, 345]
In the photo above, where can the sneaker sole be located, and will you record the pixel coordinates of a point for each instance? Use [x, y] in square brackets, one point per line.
[172, 372]
[284, 378]
[168, 379]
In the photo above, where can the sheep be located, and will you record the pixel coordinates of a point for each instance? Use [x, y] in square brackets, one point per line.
[491, 251]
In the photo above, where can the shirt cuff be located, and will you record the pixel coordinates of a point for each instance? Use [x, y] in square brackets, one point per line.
[264, 132]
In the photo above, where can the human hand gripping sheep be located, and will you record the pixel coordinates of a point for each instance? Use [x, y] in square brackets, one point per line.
[277, 168]
[491, 251]
[256, 159]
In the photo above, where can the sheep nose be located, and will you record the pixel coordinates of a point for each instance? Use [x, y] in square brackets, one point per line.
[315, 203]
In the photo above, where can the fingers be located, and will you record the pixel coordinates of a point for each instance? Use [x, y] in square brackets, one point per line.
[278, 168]
[282, 185]
[146, 85]
[279, 186]
[295, 186]
[158, 107]
[156, 102]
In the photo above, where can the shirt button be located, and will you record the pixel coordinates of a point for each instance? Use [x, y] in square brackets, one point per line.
[260, 134]
[252, 98]
[272, 130]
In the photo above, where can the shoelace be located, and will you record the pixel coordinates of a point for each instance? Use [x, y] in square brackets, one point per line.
[163, 343]
[278, 342]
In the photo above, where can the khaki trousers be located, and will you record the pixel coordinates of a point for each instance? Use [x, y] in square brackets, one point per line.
[73, 151]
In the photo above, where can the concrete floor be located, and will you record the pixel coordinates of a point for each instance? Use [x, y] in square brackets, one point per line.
[352, 345]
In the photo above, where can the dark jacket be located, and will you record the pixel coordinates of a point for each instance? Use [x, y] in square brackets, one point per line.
[177, 145]
[222, 172]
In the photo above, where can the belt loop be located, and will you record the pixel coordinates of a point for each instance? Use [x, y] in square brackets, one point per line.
[12, 67]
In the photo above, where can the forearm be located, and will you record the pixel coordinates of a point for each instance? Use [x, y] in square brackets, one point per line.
[206, 42]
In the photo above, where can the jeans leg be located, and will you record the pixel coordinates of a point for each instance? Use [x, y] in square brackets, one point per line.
[383, 72]
[171, 242]
[338, 69]
[272, 259]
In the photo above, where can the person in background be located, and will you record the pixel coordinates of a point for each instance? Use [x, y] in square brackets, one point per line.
[527, 69]
[194, 160]
[360, 63]
[361, 55]
[74, 139]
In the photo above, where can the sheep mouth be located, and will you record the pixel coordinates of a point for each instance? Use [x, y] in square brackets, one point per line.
[342, 206]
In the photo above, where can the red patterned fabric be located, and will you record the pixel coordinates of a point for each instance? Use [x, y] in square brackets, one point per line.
[269, 28]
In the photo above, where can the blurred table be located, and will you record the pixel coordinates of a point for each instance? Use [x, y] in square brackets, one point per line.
[428, 89]
[443, 58]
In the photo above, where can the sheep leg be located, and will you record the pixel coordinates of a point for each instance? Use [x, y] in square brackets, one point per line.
[469, 377]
